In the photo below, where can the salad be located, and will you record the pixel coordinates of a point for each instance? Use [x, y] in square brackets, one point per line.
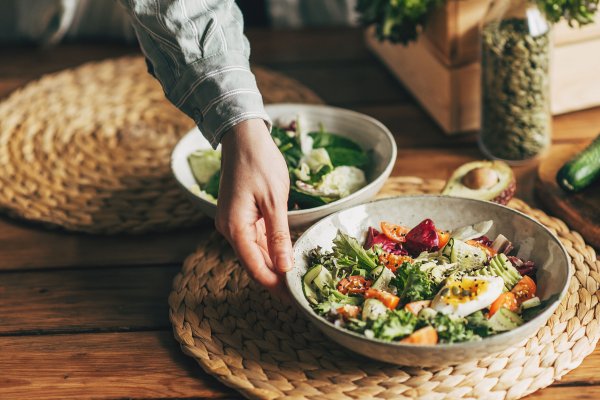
[323, 166]
[422, 285]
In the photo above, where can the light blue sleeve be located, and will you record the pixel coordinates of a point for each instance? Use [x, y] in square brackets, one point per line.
[198, 52]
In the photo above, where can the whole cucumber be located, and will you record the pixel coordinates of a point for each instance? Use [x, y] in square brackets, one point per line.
[579, 172]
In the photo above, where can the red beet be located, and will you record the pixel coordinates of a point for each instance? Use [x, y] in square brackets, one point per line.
[375, 237]
[422, 237]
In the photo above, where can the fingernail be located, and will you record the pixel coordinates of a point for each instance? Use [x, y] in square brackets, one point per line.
[284, 263]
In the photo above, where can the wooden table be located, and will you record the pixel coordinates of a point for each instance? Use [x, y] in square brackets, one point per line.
[85, 316]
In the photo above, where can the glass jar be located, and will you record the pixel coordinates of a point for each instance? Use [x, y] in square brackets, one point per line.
[515, 81]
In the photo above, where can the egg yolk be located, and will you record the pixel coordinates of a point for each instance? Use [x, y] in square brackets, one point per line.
[457, 292]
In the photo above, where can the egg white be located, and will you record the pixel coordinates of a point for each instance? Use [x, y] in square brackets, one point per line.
[448, 304]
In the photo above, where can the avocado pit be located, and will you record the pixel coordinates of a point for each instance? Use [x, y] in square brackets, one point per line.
[480, 178]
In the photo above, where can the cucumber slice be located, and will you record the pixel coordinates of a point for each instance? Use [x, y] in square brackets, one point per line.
[533, 302]
[579, 172]
[505, 320]
[373, 309]
[314, 281]
[466, 256]
[383, 280]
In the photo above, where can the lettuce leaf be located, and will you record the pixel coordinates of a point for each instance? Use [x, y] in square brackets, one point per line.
[347, 247]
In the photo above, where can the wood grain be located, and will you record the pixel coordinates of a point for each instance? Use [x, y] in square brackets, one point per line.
[107, 366]
[581, 211]
[29, 246]
[147, 365]
[96, 299]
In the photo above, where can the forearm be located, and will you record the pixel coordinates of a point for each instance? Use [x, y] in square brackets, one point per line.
[198, 51]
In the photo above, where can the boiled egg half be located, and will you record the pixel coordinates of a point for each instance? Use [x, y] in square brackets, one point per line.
[464, 296]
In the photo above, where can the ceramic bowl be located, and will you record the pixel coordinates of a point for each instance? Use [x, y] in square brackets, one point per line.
[532, 240]
[369, 133]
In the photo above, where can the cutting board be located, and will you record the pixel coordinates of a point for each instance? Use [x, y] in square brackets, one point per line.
[581, 211]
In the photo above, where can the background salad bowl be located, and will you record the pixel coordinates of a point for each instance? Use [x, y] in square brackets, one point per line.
[532, 240]
[367, 132]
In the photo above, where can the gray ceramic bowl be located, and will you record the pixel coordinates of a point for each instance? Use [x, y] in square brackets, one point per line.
[369, 133]
[532, 240]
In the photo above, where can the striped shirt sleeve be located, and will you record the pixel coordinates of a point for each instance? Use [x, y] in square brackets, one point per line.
[198, 52]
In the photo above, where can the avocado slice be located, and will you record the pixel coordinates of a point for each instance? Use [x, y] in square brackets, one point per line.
[482, 180]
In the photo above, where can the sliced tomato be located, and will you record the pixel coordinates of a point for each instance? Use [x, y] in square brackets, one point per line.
[416, 306]
[394, 232]
[354, 284]
[393, 261]
[388, 299]
[488, 250]
[524, 289]
[423, 336]
[505, 300]
[443, 238]
[348, 311]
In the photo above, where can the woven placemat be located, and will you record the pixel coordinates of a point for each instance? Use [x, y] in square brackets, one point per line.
[266, 349]
[88, 149]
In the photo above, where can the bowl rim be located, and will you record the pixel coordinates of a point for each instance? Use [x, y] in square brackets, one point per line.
[350, 113]
[290, 275]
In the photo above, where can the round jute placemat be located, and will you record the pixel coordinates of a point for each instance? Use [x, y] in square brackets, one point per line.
[265, 349]
[88, 149]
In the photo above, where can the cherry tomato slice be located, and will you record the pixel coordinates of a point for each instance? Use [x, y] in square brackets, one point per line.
[443, 238]
[424, 336]
[394, 232]
[348, 311]
[354, 284]
[393, 261]
[388, 299]
[487, 249]
[505, 300]
[416, 306]
[524, 289]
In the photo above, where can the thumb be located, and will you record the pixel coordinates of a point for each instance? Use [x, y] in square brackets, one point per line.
[278, 237]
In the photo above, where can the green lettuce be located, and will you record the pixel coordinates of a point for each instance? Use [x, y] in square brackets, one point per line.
[347, 248]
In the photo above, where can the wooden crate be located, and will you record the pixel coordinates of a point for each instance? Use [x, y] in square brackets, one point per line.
[442, 68]
[453, 30]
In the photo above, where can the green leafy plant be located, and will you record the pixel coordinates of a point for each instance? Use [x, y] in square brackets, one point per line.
[400, 21]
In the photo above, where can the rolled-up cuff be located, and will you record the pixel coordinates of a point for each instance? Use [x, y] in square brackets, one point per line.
[218, 93]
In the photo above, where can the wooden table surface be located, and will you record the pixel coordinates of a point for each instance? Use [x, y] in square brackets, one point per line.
[86, 316]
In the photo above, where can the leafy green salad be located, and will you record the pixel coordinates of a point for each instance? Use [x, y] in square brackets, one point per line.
[422, 285]
[323, 166]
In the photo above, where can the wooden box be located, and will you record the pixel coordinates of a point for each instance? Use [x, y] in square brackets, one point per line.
[441, 69]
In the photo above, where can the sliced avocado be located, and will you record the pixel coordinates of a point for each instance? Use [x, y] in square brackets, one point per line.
[500, 266]
[482, 180]
[504, 320]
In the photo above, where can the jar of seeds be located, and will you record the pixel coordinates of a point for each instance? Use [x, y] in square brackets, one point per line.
[515, 92]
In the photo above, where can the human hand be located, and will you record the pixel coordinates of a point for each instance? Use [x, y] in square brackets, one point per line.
[252, 208]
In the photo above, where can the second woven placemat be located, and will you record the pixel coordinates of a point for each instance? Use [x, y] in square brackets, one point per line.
[88, 149]
[268, 350]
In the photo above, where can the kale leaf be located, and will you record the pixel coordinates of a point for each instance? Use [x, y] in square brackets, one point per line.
[413, 284]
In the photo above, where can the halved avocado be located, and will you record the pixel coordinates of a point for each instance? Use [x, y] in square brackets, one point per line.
[482, 180]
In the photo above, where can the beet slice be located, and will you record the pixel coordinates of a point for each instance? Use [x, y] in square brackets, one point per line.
[375, 237]
[423, 237]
